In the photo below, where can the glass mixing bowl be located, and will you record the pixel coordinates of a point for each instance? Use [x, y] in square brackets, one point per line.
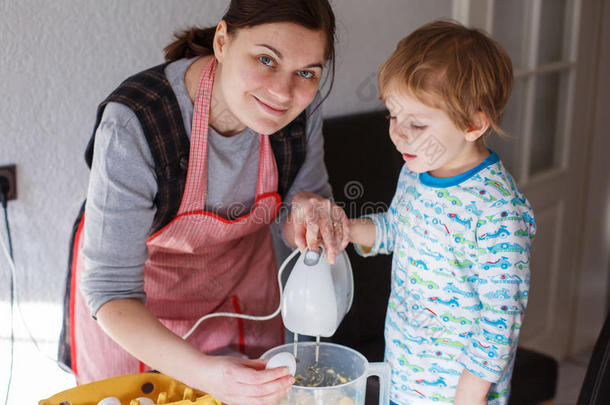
[336, 363]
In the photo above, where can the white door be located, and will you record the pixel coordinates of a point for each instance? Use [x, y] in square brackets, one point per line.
[551, 44]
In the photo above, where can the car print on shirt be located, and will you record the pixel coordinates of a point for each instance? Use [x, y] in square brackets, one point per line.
[499, 323]
[443, 193]
[411, 190]
[424, 233]
[447, 317]
[415, 339]
[473, 308]
[480, 194]
[475, 279]
[439, 382]
[506, 278]
[445, 273]
[404, 363]
[498, 294]
[447, 342]
[522, 264]
[465, 264]
[466, 335]
[437, 354]
[427, 252]
[497, 185]
[502, 232]
[418, 263]
[502, 263]
[451, 288]
[496, 395]
[459, 238]
[519, 201]
[436, 368]
[522, 232]
[490, 350]
[453, 251]
[521, 295]
[506, 247]
[415, 279]
[530, 221]
[503, 309]
[438, 225]
[498, 203]
[497, 338]
[453, 302]
[504, 216]
[436, 207]
[402, 346]
[440, 398]
[409, 207]
[472, 208]
[456, 218]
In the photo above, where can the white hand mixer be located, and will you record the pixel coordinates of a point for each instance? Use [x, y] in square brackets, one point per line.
[316, 298]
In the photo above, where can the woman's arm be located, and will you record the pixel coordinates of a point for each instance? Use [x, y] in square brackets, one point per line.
[231, 380]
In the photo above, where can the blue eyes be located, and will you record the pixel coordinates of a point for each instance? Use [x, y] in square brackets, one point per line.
[306, 74]
[267, 61]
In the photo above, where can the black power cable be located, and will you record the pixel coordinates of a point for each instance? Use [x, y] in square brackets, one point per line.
[3, 199]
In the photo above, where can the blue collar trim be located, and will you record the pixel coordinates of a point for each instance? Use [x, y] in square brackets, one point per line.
[429, 180]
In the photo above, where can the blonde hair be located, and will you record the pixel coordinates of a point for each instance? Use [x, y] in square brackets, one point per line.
[457, 69]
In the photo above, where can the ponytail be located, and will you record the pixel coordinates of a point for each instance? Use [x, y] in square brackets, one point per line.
[190, 43]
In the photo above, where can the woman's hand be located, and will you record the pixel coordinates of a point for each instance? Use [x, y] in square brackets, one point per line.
[237, 381]
[315, 221]
[233, 380]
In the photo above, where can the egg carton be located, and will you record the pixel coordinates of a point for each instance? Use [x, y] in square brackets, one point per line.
[133, 389]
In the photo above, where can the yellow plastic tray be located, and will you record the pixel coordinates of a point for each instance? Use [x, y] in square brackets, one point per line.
[161, 389]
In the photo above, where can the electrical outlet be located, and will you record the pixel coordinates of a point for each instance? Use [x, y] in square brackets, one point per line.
[10, 174]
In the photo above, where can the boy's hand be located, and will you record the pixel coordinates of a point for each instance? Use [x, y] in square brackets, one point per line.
[315, 221]
[471, 390]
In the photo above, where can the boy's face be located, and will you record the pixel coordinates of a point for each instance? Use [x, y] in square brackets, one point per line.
[427, 138]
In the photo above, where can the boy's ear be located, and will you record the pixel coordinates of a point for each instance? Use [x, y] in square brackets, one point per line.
[220, 40]
[480, 125]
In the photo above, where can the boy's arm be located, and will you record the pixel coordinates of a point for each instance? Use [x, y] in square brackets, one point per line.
[376, 233]
[503, 241]
[362, 233]
[471, 390]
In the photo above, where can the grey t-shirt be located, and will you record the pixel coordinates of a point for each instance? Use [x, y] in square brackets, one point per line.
[122, 187]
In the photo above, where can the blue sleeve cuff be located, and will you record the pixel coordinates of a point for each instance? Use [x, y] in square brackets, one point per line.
[487, 368]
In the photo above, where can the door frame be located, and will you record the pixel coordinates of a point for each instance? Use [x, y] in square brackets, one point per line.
[593, 298]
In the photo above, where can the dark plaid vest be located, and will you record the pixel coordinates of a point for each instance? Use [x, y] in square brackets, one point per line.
[152, 99]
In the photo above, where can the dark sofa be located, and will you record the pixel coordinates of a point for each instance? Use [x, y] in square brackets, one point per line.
[363, 168]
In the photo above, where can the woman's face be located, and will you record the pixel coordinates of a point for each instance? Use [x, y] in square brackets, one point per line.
[267, 74]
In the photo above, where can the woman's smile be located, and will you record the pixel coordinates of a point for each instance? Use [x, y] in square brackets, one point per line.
[270, 108]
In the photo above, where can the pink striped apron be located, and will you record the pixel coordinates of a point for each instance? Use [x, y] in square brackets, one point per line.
[198, 264]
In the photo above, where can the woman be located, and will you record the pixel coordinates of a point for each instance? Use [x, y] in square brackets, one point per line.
[189, 163]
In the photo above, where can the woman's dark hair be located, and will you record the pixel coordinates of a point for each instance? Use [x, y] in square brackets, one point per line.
[311, 14]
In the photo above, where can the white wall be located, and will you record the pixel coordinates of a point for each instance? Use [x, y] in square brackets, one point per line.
[60, 58]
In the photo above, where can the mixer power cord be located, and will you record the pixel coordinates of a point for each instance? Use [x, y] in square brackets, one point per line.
[14, 297]
[9, 253]
[244, 316]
